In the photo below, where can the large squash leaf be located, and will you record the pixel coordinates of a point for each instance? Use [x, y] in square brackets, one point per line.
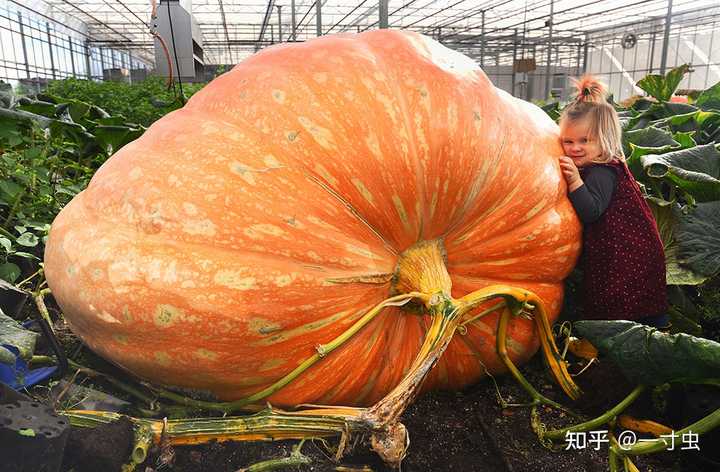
[650, 357]
[666, 216]
[698, 238]
[648, 137]
[695, 170]
[659, 113]
[662, 87]
[710, 98]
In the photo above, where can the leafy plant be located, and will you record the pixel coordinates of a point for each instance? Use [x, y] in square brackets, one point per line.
[662, 87]
[142, 103]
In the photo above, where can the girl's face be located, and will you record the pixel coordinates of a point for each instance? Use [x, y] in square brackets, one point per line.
[577, 143]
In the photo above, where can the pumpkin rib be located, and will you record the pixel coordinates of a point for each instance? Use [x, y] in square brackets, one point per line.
[413, 151]
[356, 213]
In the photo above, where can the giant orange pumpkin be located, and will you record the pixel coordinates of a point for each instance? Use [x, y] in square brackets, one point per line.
[268, 215]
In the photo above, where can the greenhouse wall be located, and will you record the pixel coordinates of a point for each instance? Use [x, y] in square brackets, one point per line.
[37, 48]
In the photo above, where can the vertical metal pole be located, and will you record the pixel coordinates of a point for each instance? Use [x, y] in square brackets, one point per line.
[579, 59]
[666, 38]
[72, 55]
[87, 60]
[279, 7]
[586, 50]
[707, 69]
[652, 54]
[549, 49]
[102, 63]
[318, 17]
[514, 59]
[24, 46]
[293, 23]
[383, 7]
[482, 39]
[50, 48]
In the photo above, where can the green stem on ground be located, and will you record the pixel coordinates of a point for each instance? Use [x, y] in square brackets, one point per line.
[600, 420]
[295, 459]
[702, 426]
[39, 298]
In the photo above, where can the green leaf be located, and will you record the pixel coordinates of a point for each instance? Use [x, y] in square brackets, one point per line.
[666, 218]
[659, 111]
[6, 244]
[662, 87]
[27, 240]
[709, 127]
[9, 272]
[710, 98]
[13, 334]
[650, 357]
[10, 189]
[116, 136]
[19, 116]
[648, 137]
[27, 432]
[37, 107]
[685, 139]
[25, 255]
[77, 110]
[698, 238]
[552, 109]
[694, 170]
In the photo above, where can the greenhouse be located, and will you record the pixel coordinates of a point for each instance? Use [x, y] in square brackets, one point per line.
[429, 235]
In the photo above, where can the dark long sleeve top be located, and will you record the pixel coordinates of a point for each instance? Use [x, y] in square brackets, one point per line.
[591, 199]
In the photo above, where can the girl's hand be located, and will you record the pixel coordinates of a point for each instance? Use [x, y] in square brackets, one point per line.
[571, 173]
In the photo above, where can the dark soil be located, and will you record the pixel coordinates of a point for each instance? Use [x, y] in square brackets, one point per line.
[449, 431]
[102, 449]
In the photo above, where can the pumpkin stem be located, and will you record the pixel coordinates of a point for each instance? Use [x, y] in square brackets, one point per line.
[520, 300]
[421, 268]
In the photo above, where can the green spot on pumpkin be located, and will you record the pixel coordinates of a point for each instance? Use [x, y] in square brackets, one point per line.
[292, 135]
[167, 315]
[206, 354]
[163, 358]
[27, 432]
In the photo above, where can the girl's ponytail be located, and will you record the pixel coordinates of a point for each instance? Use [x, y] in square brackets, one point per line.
[589, 89]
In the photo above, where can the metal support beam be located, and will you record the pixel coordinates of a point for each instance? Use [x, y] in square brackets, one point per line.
[227, 35]
[482, 39]
[383, 10]
[24, 46]
[292, 20]
[549, 24]
[72, 55]
[514, 74]
[87, 60]
[586, 48]
[266, 19]
[318, 17]
[50, 48]
[666, 38]
[279, 8]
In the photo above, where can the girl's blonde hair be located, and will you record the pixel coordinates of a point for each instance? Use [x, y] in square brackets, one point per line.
[591, 104]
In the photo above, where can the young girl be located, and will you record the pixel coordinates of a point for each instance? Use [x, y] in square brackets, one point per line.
[623, 260]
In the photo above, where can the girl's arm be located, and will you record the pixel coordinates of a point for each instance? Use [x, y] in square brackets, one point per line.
[593, 196]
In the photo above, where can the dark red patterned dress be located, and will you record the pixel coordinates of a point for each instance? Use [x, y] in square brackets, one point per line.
[623, 260]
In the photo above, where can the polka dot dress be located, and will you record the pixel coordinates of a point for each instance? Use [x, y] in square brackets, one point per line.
[623, 259]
